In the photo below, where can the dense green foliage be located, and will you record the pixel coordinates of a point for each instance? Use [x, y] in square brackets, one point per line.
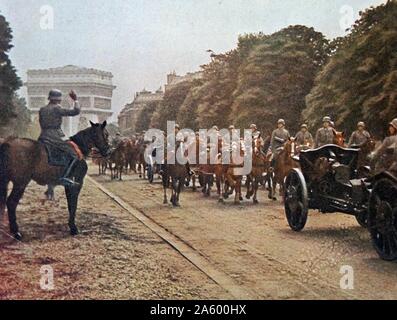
[360, 81]
[9, 81]
[14, 115]
[298, 75]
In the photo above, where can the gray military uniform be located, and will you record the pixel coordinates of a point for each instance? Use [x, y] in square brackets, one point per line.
[324, 136]
[116, 141]
[304, 138]
[50, 118]
[358, 138]
[385, 155]
[279, 137]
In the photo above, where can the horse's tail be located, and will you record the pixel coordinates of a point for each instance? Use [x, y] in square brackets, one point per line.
[3, 175]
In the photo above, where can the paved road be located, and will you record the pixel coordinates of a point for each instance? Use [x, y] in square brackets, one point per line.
[254, 246]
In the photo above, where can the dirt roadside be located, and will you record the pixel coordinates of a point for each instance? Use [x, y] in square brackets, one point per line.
[114, 257]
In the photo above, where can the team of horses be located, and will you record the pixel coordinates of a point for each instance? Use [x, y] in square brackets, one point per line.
[129, 156]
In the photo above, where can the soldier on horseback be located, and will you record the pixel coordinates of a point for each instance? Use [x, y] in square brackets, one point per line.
[304, 138]
[116, 140]
[279, 137]
[52, 136]
[385, 156]
[360, 136]
[325, 135]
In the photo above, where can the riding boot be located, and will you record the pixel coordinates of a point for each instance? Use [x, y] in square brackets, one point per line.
[67, 179]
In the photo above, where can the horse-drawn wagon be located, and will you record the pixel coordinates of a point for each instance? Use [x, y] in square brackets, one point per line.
[330, 180]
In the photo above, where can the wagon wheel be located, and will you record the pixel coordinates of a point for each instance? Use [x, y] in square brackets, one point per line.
[382, 219]
[296, 200]
[362, 219]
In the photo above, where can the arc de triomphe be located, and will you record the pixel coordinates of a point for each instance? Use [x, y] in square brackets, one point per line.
[93, 87]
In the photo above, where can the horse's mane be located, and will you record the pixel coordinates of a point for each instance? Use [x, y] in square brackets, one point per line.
[80, 139]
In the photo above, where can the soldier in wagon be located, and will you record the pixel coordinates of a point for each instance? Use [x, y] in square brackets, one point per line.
[385, 156]
[304, 138]
[52, 136]
[360, 136]
[325, 135]
[279, 137]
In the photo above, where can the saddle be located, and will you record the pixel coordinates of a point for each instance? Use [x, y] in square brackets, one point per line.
[61, 155]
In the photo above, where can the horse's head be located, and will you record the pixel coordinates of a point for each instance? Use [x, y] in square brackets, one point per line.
[339, 138]
[99, 137]
[291, 147]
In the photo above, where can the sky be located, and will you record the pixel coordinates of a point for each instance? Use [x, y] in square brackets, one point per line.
[140, 41]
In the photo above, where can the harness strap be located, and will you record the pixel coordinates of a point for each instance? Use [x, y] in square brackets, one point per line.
[77, 150]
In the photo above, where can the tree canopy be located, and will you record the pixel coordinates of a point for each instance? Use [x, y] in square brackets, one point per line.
[360, 80]
[9, 81]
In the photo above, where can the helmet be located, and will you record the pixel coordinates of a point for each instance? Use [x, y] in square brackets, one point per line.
[304, 125]
[327, 119]
[231, 127]
[361, 124]
[394, 123]
[55, 94]
[281, 121]
[215, 128]
[177, 126]
[253, 126]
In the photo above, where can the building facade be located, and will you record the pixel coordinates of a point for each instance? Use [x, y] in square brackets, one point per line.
[94, 89]
[128, 117]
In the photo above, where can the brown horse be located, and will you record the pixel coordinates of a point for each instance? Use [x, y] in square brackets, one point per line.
[233, 176]
[260, 165]
[141, 147]
[23, 160]
[131, 155]
[283, 165]
[339, 138]
[100, 161]
[176, 174]
[117, 158]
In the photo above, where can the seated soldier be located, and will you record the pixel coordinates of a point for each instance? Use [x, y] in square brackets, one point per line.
[385, 156]
[360, 136]
[325, 135]
[279, 137]
[50, 118]
[304, 138]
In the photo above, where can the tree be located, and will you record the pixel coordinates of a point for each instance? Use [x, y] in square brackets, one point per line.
[187, 115]
[9, 81]
[169, 108]
[360, 80]
[215, 97]
[276, 76]
[145, 116]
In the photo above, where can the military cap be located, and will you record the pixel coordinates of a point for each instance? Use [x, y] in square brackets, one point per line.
[327, 119]
[55, 94]
[281, 121]
[361, 124]
[394, 123]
